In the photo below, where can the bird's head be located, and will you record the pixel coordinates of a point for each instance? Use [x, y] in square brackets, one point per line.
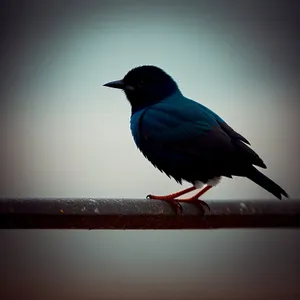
[145, 86]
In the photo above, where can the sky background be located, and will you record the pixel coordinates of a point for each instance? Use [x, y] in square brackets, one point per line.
[64, 135]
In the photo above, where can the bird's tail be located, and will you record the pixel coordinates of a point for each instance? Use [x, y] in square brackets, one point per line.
[266, 183]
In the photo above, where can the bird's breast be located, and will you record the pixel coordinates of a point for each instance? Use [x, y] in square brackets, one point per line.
[135, 126]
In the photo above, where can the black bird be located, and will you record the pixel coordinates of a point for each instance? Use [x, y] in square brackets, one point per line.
[184, 139]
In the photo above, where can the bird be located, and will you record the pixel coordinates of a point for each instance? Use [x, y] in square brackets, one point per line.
[185, 139]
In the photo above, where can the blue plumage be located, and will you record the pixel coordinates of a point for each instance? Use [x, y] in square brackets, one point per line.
[183, 138]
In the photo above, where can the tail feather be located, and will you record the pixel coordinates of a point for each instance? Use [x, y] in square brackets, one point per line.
[266, 183]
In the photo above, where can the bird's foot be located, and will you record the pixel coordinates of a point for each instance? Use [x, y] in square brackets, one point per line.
[176, 202]
[171, 198]
[197, 202]
[195, 199]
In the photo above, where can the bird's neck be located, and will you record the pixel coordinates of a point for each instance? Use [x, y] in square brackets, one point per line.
[139, 104]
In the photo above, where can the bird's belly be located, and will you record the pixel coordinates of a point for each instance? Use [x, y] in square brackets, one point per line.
[183, 167]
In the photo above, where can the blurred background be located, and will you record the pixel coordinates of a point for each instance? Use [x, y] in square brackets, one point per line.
[64, 135]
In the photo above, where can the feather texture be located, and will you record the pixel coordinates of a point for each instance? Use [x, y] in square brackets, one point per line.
[188, 141]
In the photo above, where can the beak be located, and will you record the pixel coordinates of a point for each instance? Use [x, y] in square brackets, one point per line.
[118, 84]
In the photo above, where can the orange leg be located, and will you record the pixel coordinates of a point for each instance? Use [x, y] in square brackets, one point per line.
[176, 202]
[195, 199]
[172, 196]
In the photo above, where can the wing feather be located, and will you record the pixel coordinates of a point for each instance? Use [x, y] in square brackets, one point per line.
[188, 141]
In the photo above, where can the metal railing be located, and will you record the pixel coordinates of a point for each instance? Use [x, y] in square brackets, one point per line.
[45, 213]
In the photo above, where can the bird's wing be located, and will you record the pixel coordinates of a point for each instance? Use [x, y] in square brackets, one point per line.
[181, 136]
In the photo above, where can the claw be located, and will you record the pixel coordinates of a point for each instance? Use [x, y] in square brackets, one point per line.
[177, 205]
[200, 204]
[174, 203]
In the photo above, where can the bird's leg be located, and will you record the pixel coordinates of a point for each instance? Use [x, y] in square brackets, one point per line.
[171, 198]
[176, 202]
[195, 199]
